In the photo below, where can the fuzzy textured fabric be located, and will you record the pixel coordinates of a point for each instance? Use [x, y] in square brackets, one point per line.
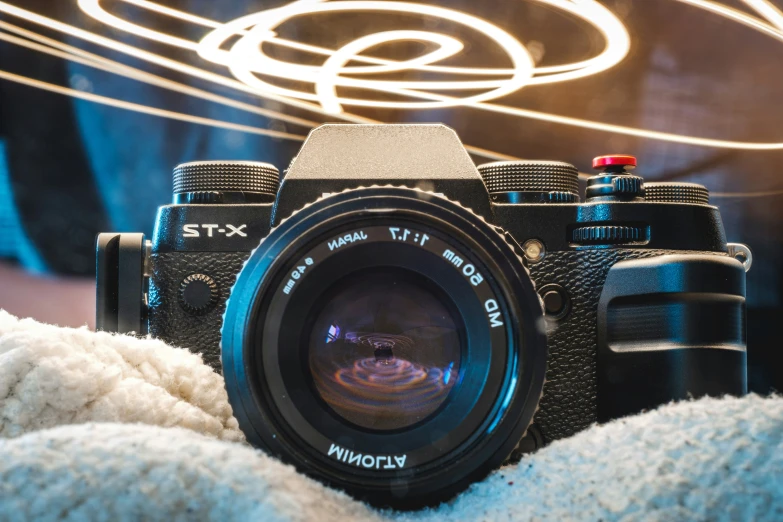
[52, 376]
[712, 459]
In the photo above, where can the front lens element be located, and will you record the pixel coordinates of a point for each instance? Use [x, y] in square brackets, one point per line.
[385, 348]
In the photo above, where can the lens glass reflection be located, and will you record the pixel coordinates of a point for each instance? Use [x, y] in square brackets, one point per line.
[384, 349]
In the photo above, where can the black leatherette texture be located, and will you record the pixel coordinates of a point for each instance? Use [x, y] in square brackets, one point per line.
[169, 321]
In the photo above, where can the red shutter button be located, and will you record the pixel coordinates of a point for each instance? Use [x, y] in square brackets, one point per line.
[614, 160]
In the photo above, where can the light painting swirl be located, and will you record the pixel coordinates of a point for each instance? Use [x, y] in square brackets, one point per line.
[246, 58]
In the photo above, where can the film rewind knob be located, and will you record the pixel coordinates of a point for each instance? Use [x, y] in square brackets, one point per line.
[225, 182]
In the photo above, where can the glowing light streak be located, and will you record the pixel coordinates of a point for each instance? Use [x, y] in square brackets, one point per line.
[763, 7]
[144, 109]
[759, 194]
[768, 11]
[74, 54]
[326, 88]
[93, 9]
[247, 57]
[613, 31]
[156, 59]
[192, 71]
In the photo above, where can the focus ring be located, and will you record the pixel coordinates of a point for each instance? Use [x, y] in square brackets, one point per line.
[226, 176]
[530, 176]
[677, 193]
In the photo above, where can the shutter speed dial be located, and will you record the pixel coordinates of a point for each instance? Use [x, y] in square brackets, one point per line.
[531, 181]
[670, 192]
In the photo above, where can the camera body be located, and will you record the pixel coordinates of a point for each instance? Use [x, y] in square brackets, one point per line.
[643, 298]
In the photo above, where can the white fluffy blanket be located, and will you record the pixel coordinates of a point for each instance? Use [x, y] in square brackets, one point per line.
[103, 427]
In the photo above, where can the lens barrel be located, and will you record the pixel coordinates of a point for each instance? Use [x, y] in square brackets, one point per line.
[388, 342]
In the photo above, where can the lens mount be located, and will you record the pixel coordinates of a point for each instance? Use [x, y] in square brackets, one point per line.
[388, 342]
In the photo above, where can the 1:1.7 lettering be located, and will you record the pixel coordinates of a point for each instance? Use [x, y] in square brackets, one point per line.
[417, 238]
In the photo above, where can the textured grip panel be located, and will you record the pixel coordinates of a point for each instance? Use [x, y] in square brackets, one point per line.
[226, 176]
[569, 403]
[677, 192]
[530, 176]
[169, 321]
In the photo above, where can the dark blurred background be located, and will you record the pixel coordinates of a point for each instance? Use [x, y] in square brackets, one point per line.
[71, 168]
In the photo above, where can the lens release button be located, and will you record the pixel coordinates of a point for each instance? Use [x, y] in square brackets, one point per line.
[556, 301]
[553, 302]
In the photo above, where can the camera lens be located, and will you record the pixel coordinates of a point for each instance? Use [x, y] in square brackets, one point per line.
[387, 342]
[385, 349]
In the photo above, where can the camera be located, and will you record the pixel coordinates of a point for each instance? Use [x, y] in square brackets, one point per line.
[397, 322]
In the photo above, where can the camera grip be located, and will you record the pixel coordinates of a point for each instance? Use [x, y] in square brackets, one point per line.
[670, 328]
[168, 319]
[570, 399]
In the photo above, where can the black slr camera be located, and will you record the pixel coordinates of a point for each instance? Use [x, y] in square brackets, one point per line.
[396, 322]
